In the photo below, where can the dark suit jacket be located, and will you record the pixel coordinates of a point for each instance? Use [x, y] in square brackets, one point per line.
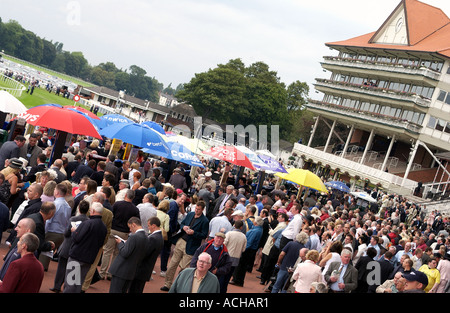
[200, 228]
[24, 275]
[350, 277]
[218, 201]
[131, 254]
[40, 232]
[155, 244]
[8, 150]
[386, 268]
[31, 176]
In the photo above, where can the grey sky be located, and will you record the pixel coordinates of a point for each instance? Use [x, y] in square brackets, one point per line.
[174, 39]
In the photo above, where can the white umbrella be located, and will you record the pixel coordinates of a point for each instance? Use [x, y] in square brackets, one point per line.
[10, 104]
[363, 196]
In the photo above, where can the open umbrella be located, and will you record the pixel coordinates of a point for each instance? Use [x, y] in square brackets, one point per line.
[155, 126]
[60, 119]
[231, 155]
[338, 185]
[179, 153]
[363, 196]
[303, 177]
[110, 119]
[10, 104]
[272, 164]
[194, 144]
[138, 135]
[82, 110]
[253, 157]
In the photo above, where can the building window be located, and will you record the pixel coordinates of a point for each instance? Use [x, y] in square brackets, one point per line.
[431, 122]
[442, 95]
[440, 125]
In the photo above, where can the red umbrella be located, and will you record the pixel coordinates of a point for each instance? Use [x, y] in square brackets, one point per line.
[61, 119]
[230, 154]
[82, 110]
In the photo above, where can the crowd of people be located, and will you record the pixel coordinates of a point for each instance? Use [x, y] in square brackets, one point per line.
[114, 219]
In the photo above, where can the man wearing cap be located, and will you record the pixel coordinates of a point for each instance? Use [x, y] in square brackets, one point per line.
[178, 180]
[202, 182]
[11, 149]
[221, 261]
[416, 282]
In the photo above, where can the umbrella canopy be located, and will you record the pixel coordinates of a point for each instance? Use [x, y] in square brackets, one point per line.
[61, 119]
[194, 144]
[179, 153]
[305, 178]
[82, 110]
[138, 135]
[363, 196]
[10, 104]
[253, 157]
[272, 164]
[266, 153]
[155, 126]
[338, 185]
[110, 119]
[230, 154]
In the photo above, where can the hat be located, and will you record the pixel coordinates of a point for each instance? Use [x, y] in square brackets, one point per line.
[220, 234]
[15, 163]
[125, 181]
[237, 212]
[208, 174]
[417, 276]
[24, 161]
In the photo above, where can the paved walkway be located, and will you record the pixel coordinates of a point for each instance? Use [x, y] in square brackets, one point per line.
[251, 284]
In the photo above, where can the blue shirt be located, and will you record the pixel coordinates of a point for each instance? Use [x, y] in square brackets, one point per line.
[334, 286]
[60, 221]
[253, 237]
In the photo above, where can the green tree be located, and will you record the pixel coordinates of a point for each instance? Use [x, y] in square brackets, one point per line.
[48, 53]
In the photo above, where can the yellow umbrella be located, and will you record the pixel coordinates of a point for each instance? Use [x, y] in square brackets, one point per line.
[305, 178]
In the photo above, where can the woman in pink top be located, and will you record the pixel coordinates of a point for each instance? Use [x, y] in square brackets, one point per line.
[307, 272]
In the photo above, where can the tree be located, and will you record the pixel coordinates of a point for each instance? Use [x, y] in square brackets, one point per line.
[48, 53]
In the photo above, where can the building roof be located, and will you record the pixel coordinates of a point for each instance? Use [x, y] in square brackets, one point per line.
[427, 29]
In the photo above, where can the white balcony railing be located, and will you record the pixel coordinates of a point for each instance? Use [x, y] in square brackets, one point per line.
[375, 91]
[379, 66]
[354, 168]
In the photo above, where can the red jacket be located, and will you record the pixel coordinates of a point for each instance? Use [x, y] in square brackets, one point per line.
[24, 275]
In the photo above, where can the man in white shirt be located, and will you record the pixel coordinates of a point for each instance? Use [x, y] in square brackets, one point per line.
[293, 228]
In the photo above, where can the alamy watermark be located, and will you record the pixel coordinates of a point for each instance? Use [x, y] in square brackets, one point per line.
[251, 136]
[74, 13]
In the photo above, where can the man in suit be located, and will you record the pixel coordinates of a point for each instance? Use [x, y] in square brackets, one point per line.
[131, 253]
[26, 274]
[342, 277]
[154, 247]
[194, 228]
[31, 150]
[221, 200]
[83, 170]
[11, 149]
[46, 212]
[386, 268]
[39, 167]
[87, 239]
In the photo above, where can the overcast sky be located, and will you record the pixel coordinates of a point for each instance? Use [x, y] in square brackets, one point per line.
[174, 39]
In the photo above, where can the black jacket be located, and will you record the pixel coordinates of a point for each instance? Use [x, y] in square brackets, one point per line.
[87, 239]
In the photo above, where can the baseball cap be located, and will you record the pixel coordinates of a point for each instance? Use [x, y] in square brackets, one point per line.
[417, 276]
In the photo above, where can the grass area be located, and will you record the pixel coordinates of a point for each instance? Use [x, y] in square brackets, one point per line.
[41, 96]
[49, 71]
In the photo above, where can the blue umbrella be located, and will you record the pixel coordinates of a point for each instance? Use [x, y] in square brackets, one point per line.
[180, 153]
[154, 126]
[363, 196]
[338, 185]
[138, 135]
[109, 119]
[272, 164]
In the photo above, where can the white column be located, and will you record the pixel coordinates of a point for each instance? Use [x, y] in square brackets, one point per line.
[329, 136]
[349, 137]
[369, 143]
[313, 131]
[412, 155]
[388, 152]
